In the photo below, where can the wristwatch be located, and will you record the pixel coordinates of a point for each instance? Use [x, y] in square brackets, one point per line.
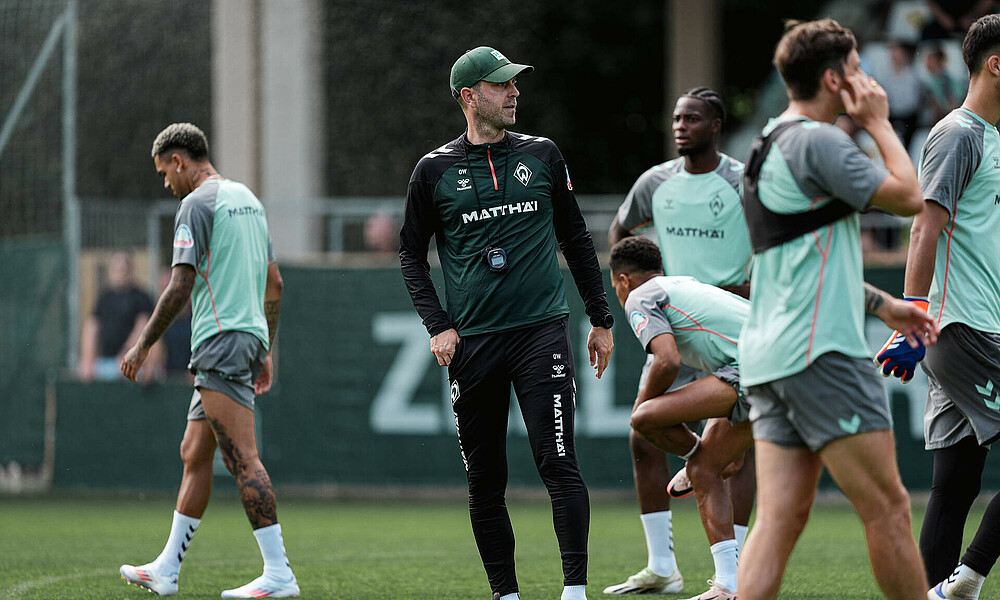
[606, 321]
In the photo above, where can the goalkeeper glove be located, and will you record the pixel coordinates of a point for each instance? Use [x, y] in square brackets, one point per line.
[896, 357]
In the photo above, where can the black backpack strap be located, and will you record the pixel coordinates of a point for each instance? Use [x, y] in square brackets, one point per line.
[768, 228]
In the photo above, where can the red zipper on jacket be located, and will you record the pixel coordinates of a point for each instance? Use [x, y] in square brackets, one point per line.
[492, 170]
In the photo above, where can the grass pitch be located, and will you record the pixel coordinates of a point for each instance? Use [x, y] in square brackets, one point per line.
[55, 548]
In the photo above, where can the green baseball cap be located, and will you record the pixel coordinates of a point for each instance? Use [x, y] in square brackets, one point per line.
[483, 64]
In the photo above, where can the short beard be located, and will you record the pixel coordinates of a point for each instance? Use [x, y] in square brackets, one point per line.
[693, 150]
[498, 120]
[491, 122]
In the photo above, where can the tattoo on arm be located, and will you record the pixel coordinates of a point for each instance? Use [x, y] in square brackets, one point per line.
[874, 299]
[271, 310]
[170, 304]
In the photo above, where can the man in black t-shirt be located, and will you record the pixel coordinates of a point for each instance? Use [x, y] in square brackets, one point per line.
[119, 315]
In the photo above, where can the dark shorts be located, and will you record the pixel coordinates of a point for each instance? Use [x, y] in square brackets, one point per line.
[963, 380]
[228, 363]
[835, 397]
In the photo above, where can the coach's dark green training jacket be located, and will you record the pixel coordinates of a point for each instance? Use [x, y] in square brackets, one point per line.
[514, 194]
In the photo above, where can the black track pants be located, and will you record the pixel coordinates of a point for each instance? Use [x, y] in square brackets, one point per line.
[958, 471]
[538, 361]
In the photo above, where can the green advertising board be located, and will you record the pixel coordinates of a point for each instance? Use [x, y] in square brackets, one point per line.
[360, 401]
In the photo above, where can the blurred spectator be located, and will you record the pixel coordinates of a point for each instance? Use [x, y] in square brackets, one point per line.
[942, 93]
[882, 239]
[176, 339]
[113, 327]
[952, 18]
[902, 85]
[906, 20]
[382, 233]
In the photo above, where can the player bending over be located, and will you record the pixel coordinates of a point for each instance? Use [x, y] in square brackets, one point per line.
[698, 191]
[681, 320]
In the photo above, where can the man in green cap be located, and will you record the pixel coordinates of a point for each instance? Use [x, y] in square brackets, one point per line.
[498, 202]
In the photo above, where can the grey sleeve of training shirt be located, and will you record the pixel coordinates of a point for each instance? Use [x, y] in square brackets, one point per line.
[193, 226]
[636, 212]
[732, 171]
[826, 162]
[950, 158]
[644, 309]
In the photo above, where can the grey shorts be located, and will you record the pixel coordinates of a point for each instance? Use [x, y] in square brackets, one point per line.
[685, 376]
[741, 410]
[835, 397]
[228, 363]
[727, 373]
[963, 381]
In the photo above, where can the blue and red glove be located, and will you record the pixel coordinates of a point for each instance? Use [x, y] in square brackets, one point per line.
[896, 357]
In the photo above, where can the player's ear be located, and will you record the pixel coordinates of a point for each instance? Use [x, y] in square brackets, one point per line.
[993, 65]
[832, 80]
[468, 96]
[176, 161]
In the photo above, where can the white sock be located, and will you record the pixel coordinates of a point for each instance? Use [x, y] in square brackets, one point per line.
[741, 536]
[659, 542]
[181, 531]
[514, 596]
[967, 582]
[272, 548]
[690, 453]
[574, 592]
[725, 554]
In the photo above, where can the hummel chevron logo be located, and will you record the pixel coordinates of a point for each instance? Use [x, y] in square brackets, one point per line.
[852, 425]
[987, 394]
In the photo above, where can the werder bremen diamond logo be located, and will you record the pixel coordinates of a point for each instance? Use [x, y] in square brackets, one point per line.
[716, 205]
[988, 395]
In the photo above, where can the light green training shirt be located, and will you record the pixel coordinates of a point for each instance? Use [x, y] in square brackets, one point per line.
[807, 298]
[221, 230]
[698, 220]
[704, 320]
[960, 170]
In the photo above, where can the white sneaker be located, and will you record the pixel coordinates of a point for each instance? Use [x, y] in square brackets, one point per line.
[265, 587]
[648, 582]
[147, 576]
[680, 485]
[951, 589]
[715, 592]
